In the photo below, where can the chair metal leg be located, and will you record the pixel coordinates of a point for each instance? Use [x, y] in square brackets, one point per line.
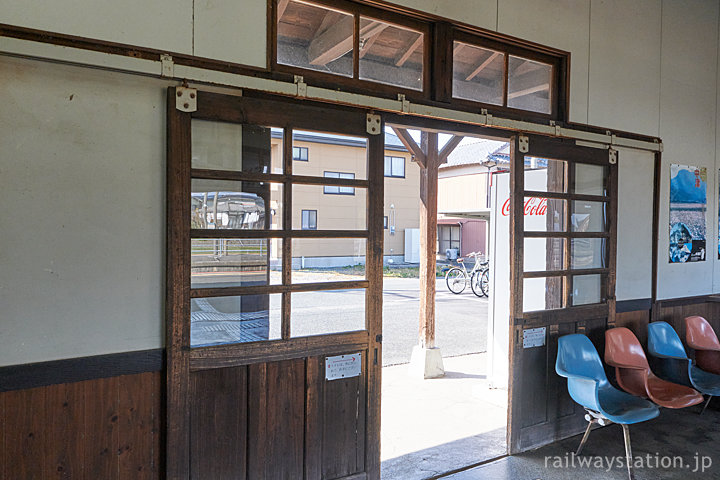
[706, 404]
[591, 422]
[628, 451]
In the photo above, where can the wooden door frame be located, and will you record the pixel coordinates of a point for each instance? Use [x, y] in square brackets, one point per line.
[289, 114]
[565, 150]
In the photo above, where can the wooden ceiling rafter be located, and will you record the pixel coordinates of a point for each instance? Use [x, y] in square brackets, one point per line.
[410, 50]
[411, 146]
[482, 66]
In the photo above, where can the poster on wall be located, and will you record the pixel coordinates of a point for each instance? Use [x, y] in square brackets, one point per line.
[688, 203]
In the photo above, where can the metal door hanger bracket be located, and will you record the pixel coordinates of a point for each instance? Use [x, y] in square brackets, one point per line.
[612, 156]
[301, 86]
[186, 99]
[167, 66]
[373, 124]
[523, 143]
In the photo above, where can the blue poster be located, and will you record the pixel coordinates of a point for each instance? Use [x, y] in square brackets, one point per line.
[688, 204]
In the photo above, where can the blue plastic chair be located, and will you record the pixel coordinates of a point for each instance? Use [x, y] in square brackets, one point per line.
[579, 362]
[665, 344]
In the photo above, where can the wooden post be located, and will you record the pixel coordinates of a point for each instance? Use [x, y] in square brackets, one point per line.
[428, 237]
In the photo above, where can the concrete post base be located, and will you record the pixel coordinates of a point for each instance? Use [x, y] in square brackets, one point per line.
[426, 363]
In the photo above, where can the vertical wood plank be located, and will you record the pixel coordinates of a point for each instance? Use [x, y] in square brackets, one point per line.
[177, 302]
[64, 445]
[24, 433]
[276, 420]
[218, 443]
[101, 429]
[428, 237]
[314, 393]
[135, 428]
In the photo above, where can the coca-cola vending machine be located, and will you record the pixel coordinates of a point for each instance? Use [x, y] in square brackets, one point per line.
[499, 256]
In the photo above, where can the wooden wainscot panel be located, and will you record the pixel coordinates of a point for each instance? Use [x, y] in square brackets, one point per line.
[106, 428]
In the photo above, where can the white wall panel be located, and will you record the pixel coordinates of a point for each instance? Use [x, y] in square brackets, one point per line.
[635, 214]
[565, 26]
[688, 126]
[162, 24]
[624, 87]
[83, 212]
[231, 31]
[481, 13]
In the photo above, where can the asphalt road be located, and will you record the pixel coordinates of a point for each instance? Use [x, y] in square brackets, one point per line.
[461, 320]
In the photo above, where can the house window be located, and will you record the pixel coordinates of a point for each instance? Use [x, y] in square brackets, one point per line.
[385, 222]
[309, 220]
[395, 167]
[337, 190]
[300, 154]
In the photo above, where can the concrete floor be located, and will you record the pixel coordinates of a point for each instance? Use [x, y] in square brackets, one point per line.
[463, 421]
[682, 435]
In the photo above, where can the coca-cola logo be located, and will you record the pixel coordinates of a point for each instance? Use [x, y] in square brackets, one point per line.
[533, 206]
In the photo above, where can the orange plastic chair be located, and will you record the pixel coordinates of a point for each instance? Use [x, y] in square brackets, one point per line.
[700, 336]
[624, 352]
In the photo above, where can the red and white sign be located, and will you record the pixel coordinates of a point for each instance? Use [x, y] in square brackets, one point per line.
[533, 206]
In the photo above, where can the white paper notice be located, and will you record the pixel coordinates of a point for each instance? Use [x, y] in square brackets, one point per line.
[343, 366]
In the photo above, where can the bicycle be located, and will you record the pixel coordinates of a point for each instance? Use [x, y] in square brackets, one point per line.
[480, 282]
[457, 278]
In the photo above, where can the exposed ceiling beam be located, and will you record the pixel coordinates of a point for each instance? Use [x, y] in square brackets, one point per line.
[528, 91]
[370, 40]
[449, 147]
[414, 46]
[411, 145]
[337, 40]
[482, 66]
[458, 46]
[281, 6]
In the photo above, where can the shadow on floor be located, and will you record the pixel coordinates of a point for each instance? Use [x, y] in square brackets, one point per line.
[680, 440]
[434, 461]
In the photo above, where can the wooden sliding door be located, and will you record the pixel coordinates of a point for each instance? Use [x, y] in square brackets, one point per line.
[274, 289]
[563, 236]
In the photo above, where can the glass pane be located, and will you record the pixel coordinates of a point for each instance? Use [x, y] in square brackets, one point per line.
[590, 179]
[544, 254]
[587, 289]
[587, 253]
[544, 214]
[478, 74]
[337, 208]
[227, 204]
[391, 54]
[329, 311]
[328, 259]
[235, 147]
[529, 84]
[545, 293]
[545, 175]
[398, 166]
[588, 216]
[234, 262]
[315, 37]
[331, 153]
[240, 319]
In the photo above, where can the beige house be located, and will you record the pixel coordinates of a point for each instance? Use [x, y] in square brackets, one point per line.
[317, 207]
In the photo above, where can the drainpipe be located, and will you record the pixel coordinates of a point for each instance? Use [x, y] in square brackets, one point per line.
[460, 250]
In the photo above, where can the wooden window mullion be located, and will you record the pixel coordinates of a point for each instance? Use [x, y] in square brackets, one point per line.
[287, 226]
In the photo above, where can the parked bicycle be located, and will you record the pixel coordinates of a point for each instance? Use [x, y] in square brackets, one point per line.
[480, 281]
[457, 278]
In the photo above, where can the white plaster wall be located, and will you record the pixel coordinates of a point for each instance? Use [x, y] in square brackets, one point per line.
[162, 24]
[82, 169]
[624, 80]
[634, 233]
[231, 31]
[565, 28]
[688, 116]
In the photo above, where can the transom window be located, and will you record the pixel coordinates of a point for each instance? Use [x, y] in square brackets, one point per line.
[385, 53]
[395, 166]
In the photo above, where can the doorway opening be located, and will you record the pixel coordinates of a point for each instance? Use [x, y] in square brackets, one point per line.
[445, 369]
